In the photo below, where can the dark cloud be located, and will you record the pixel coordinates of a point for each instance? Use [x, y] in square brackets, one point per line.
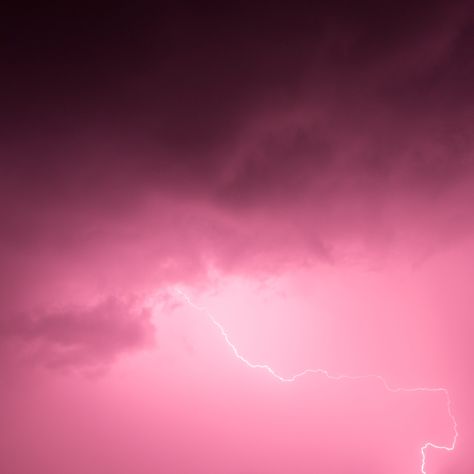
[175, 88]
[77, 337]
[139, 143]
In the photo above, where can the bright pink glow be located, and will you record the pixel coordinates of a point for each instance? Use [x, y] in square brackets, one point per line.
[324, 372]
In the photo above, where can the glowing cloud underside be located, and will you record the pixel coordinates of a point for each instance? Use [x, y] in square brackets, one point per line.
[325, 373]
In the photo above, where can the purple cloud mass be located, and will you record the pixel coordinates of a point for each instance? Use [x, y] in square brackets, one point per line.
[77, 336]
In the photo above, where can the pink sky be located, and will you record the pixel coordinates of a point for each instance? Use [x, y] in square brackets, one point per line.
[304, 173]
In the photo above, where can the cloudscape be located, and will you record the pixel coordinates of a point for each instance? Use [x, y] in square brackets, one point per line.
[237, 238]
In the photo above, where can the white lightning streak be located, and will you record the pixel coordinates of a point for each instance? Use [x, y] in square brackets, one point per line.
[324, 372]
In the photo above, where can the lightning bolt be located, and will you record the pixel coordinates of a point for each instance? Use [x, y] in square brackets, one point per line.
[325, 373]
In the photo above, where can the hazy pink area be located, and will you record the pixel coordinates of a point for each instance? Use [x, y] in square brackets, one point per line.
[189, 406]
[308, 178]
